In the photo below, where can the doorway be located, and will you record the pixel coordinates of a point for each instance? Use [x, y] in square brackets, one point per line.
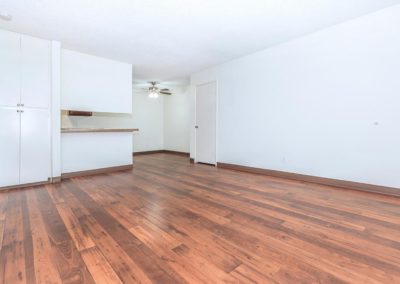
[206, 114]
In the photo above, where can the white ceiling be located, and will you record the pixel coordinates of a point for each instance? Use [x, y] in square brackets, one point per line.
[168, 39]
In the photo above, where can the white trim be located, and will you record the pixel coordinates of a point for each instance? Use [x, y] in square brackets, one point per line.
[55, 110]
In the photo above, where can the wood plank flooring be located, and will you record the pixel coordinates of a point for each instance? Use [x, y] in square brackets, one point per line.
[170, 221]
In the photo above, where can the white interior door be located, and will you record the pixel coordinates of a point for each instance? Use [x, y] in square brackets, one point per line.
[9, 147]
[10, 71]
[35, 146]
[206, 112]
[35, 72]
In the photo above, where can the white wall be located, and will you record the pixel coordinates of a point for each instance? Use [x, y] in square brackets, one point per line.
[91, 83]
[326, 104]
[177, 121]
[148, 116]
[163, 122]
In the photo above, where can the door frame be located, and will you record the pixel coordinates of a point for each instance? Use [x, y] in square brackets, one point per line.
[216, 119]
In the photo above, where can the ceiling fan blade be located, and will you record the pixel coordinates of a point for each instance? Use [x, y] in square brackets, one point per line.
[165, 93]
[165, 90]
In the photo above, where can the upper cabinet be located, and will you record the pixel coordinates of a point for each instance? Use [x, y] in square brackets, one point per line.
[35, 72]
[10, 68]
[25, 71]
[90, 83]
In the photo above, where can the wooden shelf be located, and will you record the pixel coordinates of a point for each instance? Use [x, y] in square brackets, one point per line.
[87, 130]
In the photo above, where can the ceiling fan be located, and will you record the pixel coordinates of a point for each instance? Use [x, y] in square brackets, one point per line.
[154, 91]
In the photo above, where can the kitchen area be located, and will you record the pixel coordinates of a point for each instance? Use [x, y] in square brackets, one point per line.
[92, 86]
[44, 87]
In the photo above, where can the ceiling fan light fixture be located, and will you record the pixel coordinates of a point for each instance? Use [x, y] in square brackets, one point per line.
[5, 16]
[154, 92]
[153, 95]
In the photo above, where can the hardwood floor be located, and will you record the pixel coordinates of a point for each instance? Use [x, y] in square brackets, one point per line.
[170, 221]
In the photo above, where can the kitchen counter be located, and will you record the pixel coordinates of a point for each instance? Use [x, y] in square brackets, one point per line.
[86, 130]
[94, 150]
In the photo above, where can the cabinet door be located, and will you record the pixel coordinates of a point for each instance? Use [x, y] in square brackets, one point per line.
[35, 72]
[35, 146]
[9, 147]
[10, 74]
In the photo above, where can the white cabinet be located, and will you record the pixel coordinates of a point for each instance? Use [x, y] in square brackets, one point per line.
[10, 72]
[24, 146]
[9, 147]
[25, 96]
[35, 72]
[25, 71]
[35, 146]
[90, 83]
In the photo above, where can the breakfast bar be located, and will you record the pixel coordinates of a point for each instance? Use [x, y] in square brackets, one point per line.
[86, 151]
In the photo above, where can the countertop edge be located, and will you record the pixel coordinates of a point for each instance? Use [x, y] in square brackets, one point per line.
[97, 130]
